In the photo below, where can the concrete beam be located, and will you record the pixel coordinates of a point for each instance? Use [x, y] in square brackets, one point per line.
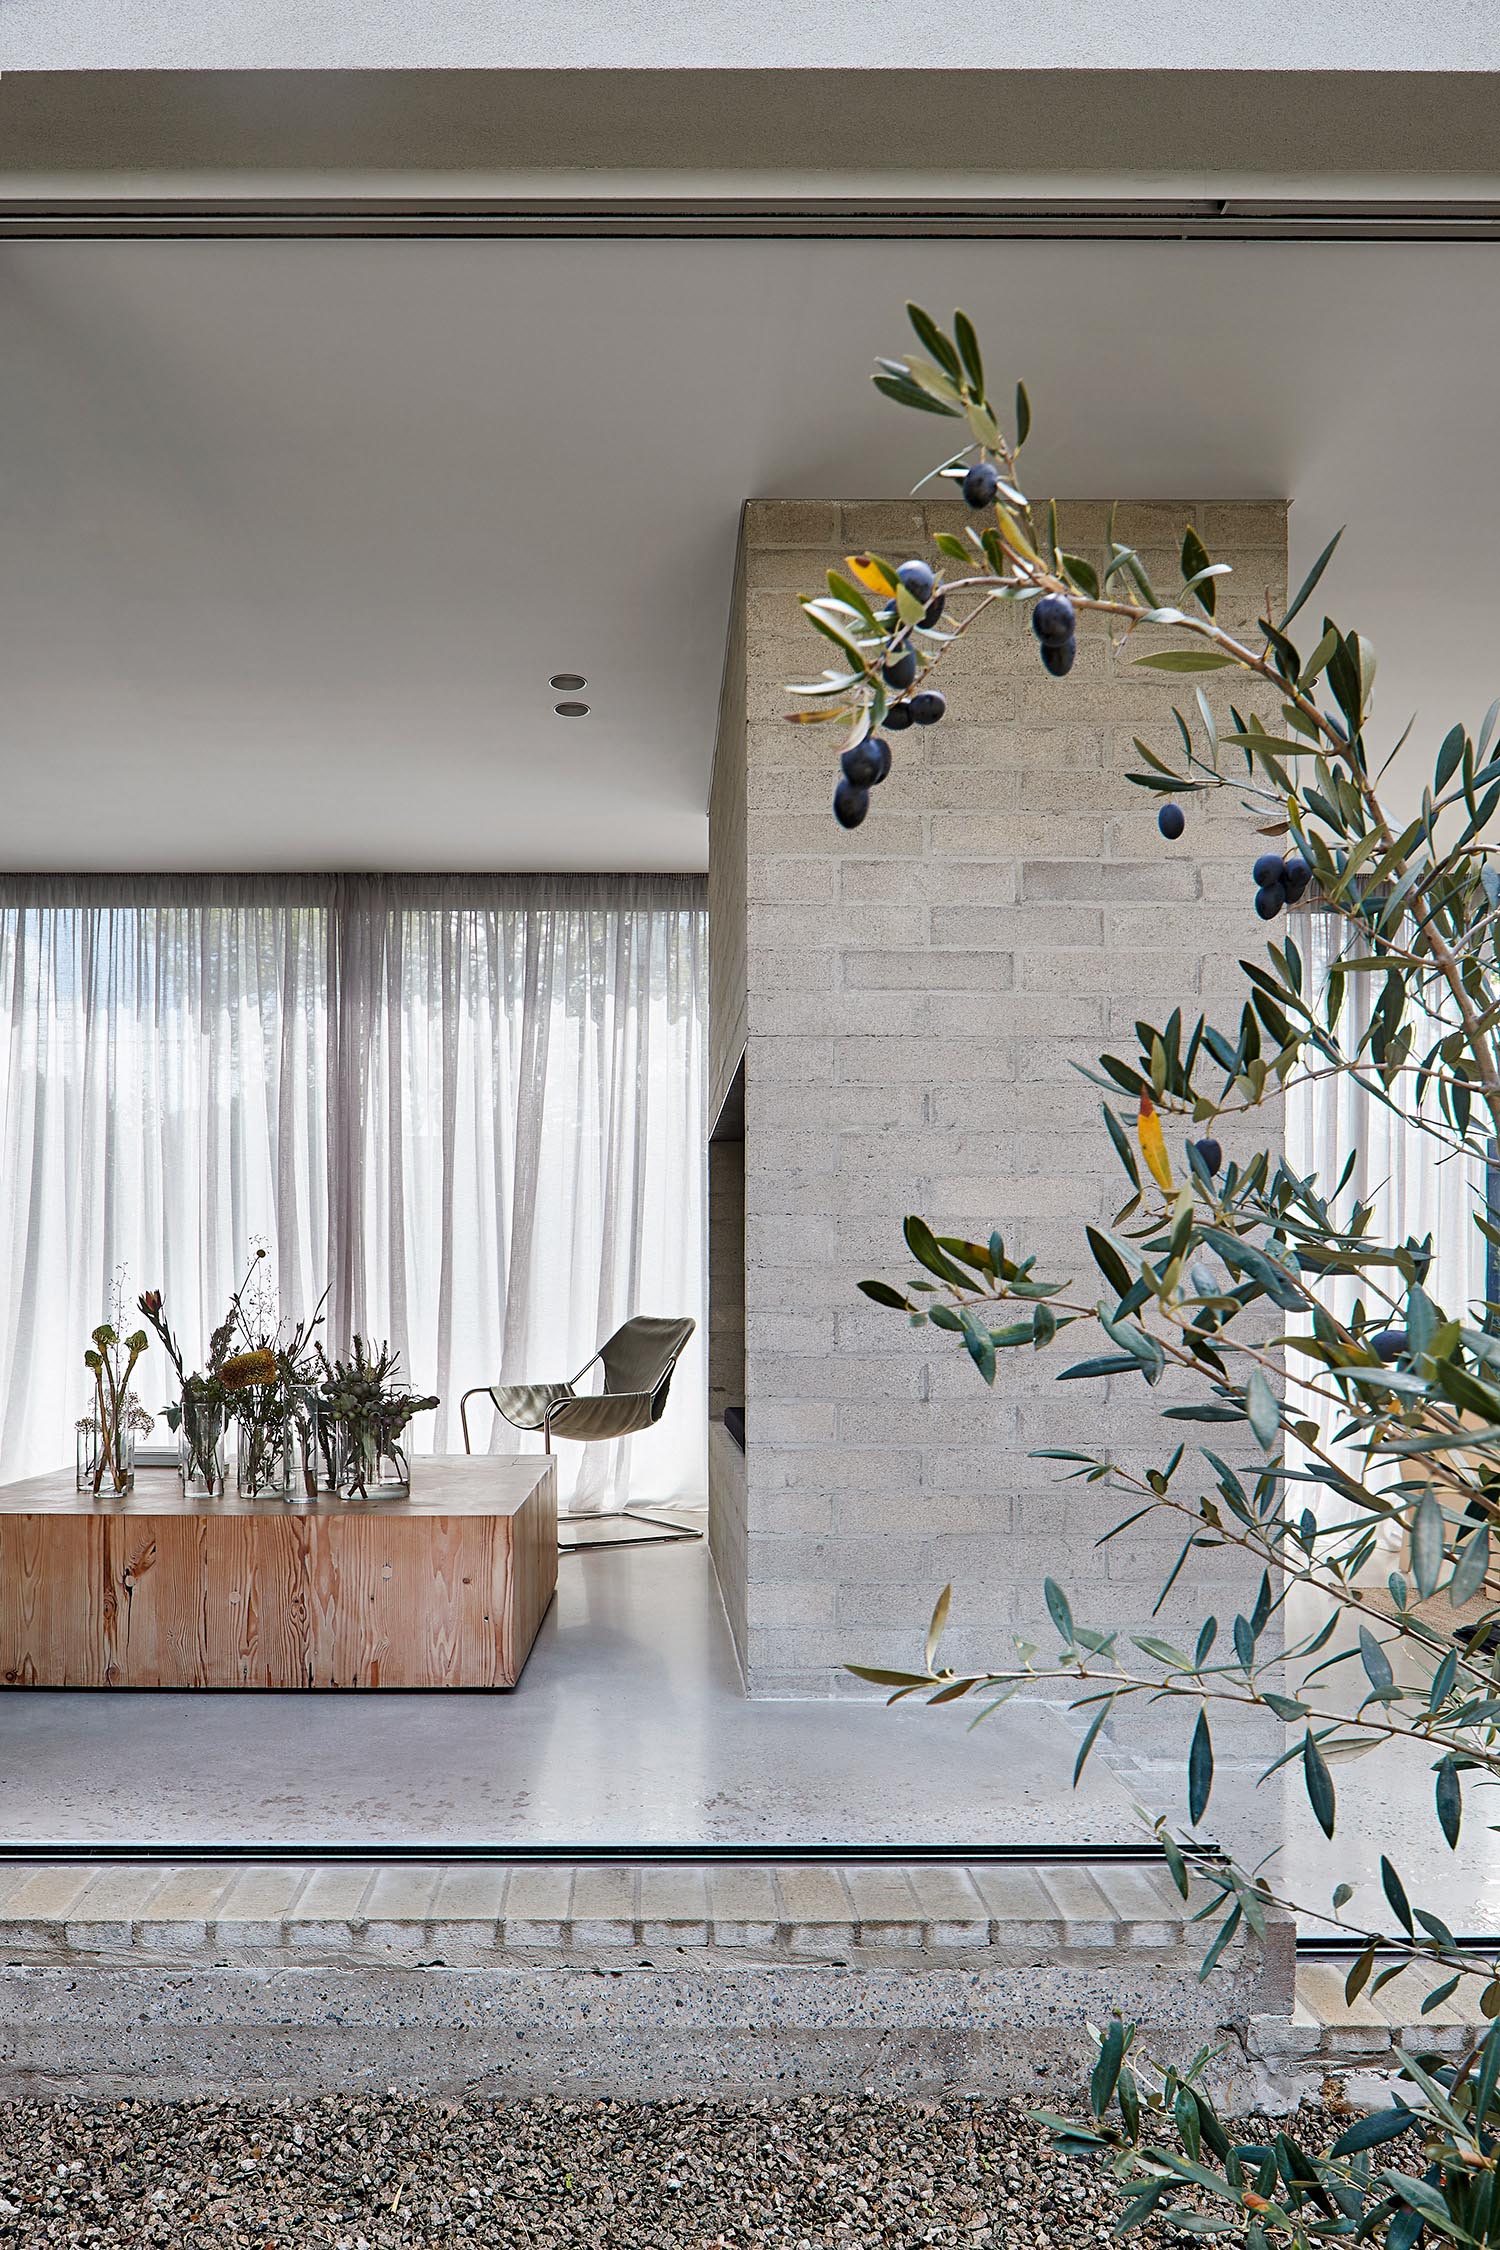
[1135, 131]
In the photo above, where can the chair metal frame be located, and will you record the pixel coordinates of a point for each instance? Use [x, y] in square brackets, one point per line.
[668, 1536]
[670, 1533]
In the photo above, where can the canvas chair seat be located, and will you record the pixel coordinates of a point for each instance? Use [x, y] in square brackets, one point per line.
[525, 1404]
[637, 1362]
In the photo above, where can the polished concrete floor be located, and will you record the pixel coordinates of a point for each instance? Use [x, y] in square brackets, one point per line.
[1385, 1806]
[628, 1728]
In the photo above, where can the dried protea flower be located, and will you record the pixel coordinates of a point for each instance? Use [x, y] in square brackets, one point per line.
[247, 1370]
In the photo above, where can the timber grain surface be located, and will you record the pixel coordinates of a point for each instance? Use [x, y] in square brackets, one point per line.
[152, 1590]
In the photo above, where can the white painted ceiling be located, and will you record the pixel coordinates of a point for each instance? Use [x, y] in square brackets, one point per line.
[223, 35]
[292, 534]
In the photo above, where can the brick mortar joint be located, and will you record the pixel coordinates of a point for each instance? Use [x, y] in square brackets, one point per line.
[998, 1944]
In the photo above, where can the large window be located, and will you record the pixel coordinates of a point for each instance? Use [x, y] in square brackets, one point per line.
[473, 1110]
[1414, 1188]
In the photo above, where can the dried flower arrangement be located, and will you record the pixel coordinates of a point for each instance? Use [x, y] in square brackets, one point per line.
[306, 1422]
[366, 1408]
[259, 1370]
[118, 1416]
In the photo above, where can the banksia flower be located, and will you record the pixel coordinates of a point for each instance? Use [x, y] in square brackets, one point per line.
[247, 1370]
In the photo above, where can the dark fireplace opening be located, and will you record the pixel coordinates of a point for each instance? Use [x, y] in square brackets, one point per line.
[728, 1465]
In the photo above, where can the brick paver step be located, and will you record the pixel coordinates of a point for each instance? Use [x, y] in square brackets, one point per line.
[430, 1911]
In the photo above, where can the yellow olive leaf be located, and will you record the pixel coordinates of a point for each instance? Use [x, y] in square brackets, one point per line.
[1015, 537]
[1153, 1145]
[869, 571]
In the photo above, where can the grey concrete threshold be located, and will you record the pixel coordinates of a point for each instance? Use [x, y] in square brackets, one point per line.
[625, 1979]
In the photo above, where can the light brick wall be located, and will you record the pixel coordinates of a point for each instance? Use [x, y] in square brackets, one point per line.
[727, 994]
[918, 993]
[727, 1007]
[728, 1529]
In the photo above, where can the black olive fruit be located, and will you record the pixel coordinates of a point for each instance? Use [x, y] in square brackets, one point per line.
[1054, 618]
[850, 804]
[981, 484]
[1171, 820]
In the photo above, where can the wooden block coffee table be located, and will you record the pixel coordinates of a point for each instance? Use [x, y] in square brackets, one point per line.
[152, 1590]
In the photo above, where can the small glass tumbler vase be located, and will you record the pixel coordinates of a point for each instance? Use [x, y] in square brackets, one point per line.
[106, 1465]
[200, 1452]
[264, 1454]
[370, 1467]
[330, 1437]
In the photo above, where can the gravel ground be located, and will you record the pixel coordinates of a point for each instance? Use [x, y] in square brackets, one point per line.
[368, 2174]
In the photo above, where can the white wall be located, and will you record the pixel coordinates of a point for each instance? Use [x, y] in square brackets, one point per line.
[1177, 35]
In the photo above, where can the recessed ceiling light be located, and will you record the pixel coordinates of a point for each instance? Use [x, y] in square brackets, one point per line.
[571, 710]
[567, 683]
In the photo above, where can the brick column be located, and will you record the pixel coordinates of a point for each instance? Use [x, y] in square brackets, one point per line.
[916, 995]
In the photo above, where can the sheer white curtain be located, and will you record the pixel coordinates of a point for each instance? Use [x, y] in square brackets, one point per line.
[1416, 1189]
[474, 1109]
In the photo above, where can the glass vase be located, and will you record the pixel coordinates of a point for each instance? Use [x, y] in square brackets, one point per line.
[200, 1448]
[263, 1452]
[106, 1464]
[371, 1466]
[314, 1468]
